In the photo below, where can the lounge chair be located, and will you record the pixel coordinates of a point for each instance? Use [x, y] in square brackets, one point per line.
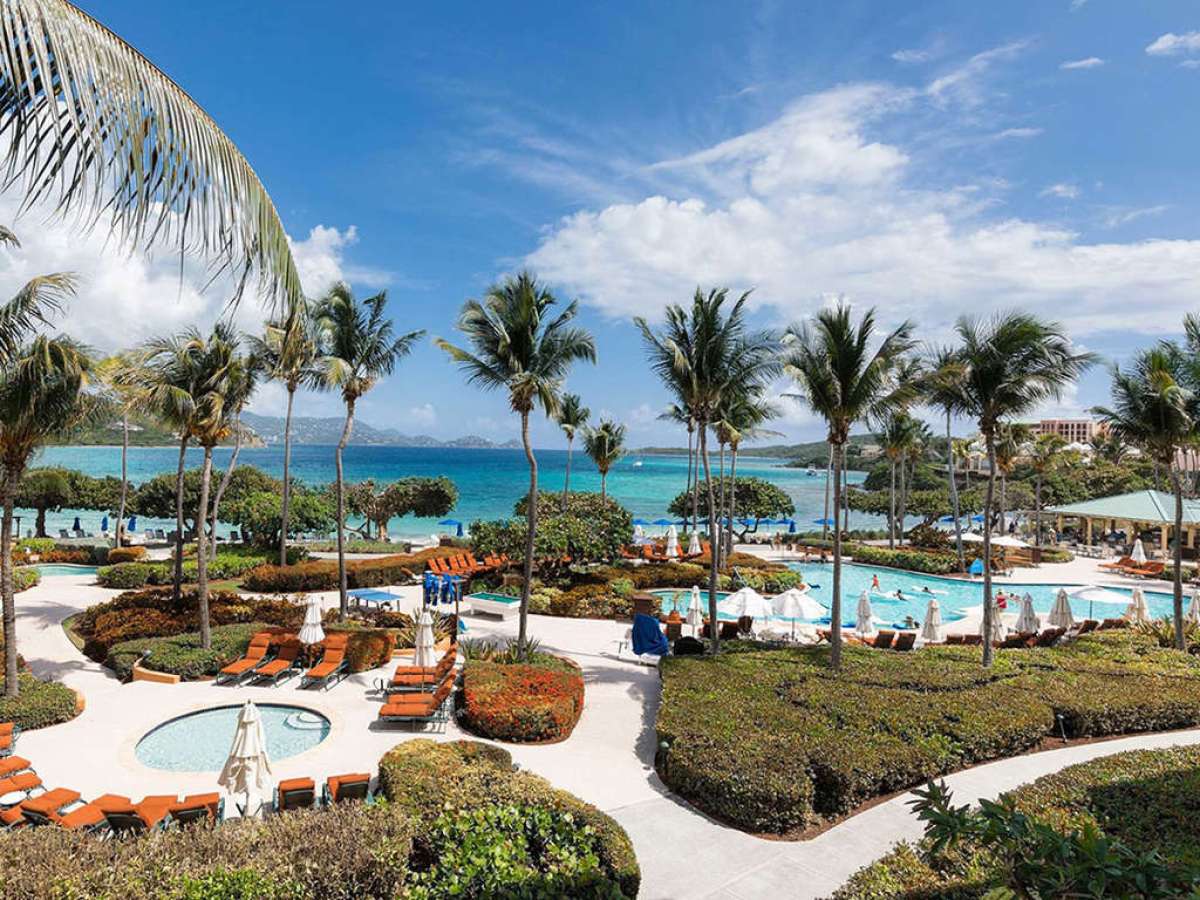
[884, 639]
[1125, 562]
[1050, 636]
[420, 678]
[198, 808]
[295, 793]
[50, 808]
[125, 818]
[729, 631]
[905, 640]
[437, 566]
[1015, 641]
[13, 817]
[973, 640]
[333, 665]
[8, 737]
[21, 783]
[1149, 570]
[341, 788]
[256, 656]
[11, 765]
[419, 708]
[285, 664]
[955, 638]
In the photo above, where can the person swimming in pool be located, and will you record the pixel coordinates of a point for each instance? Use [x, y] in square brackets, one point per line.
[1001, 600]
[925, 589]
[875, 582]
[899, 595]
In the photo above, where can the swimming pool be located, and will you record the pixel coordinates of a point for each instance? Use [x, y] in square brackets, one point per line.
[50, 569]
[954, 595]
[200, 741]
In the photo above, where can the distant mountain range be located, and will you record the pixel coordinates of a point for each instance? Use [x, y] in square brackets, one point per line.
[316, 430]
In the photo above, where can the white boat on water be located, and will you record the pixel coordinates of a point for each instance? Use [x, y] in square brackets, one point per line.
[637, 463]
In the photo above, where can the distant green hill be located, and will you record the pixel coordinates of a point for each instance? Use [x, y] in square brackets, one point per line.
[142, 433]
[813, 452]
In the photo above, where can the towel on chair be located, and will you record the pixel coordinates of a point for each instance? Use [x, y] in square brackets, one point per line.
[648, 637]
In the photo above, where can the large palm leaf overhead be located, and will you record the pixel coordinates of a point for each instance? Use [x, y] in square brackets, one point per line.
[92, 128]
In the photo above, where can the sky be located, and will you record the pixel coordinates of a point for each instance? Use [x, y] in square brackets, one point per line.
[927, 159]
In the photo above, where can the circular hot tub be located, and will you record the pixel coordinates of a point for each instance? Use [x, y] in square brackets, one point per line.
[200, 741]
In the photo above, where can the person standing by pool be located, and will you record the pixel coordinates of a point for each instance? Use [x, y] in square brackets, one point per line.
[875, 584]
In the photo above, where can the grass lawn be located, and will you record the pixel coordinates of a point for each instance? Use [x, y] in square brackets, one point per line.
[774, 741]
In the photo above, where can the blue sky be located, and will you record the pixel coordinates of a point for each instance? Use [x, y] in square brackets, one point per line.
[930, 159]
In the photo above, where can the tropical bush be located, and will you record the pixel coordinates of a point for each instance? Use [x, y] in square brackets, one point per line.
[322, 574]
[40, 703]
[127, 575]
[913, 560]
[182, 654]
[25, 578]
[775, 741]
[1125, 823]
[125, 554]
[537, 700]
[591, 530]
[444, 786]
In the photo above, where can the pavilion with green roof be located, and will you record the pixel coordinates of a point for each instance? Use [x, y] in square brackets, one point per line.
[1133, 512]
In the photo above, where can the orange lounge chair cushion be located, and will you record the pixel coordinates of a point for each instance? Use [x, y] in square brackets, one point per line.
[275, 666]
[11, 816]
[6, 741]
[83, 817]
[6, 727]
[410, 706]
[410, 679]
[324, 669]
[154, 808]
[211, 800]
[296, 784]
[13, 764]
[335, 782]
[49, 803]
[112, 802]
[25, 781]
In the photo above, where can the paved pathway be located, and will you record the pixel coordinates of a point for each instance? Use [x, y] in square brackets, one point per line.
[607, 761]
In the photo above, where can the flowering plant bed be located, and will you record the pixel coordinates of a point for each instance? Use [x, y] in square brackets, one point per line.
[529, 702]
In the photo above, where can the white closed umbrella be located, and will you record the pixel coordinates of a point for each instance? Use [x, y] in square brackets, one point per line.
[694, 544]
[1027, 621]
[998, 629]
[672, 542]
[1137, 611]
[248, 768]
[1193, 613]
[1060, 613]
[864, 624]
[1138, 554]
[423, 652]
[747, 602]
[695, 611]
[638, 532]
[931, 630]
[311, 631]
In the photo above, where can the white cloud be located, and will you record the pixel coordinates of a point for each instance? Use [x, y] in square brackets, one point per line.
[642, 415]
[1171, 44]
[1078, 5]
[423, 416]
[1114, 218]
[1062, 190]
[910, 57]
[1190, 64]
[1017, 133]
[962, 84]
[814, 204]
[1090, 62]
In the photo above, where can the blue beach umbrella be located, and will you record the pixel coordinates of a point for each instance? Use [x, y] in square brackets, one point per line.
[76, 525]
[947, 520]
[978, 518]
[824, 522]
[132, 524]
[640, 522]
[663, 522]
[104, 524]
[453, 523]
[976, 567]
[791, 523]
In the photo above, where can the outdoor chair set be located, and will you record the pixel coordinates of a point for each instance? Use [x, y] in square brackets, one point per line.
[418, 695]
[260, 664]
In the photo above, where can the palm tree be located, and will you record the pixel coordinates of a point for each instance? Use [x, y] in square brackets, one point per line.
[678, 413]
[117, 373]
[288, 351]
[358, 347]
[95, 132]
[943, 390]
[1045, 454]
[1012, 363]
[845, 382]
[701, 354]
[1153, 411]
[1012, 439]
[41, 396]
[893, 437]
[605, 445]
[572, 415]
[745, 417]
[519, 347]
[243, 382]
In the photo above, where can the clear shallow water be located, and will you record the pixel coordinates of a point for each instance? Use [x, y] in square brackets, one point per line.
[200, 741]
[489, 481]
[51, 569]
[954, 595]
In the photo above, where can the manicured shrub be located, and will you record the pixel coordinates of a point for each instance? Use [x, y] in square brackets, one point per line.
[137, 574]
[430, 780]
[914, 560]
[321, 574]
[525, 702]
[367, 648]
[182, 654]
[774, 741]
[24, 579]
[40, 704]
[125, 576]
[125, 554]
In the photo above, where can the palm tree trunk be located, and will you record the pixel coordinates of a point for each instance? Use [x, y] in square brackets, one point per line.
[223, 485]
[119, 531]
[177, 579]
[695, 484]
[1177, 578]
[1003, 501]
[603, 486]
[12, 685]
[1037, 510]
[343, 596]
[530, 534]
[892, 506]
[714, 627]
[835, 606]
[828, 476]
[567, 477]
[903, 501]
[958, 541]
[988, 497]
[718, 536]
[691, 462]
[285, 503]
[202, 551]
[733, 451]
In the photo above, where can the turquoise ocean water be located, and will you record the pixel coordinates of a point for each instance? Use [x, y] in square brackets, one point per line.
[489, 481]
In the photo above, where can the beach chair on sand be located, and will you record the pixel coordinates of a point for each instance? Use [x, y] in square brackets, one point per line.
[256, 656]
[285, 664]
[342, 788]
[295, 793]
[333, 666]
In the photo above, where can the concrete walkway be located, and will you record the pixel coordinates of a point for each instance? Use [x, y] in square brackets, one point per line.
[607, 760]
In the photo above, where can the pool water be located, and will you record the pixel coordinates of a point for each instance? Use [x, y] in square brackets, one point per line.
[954, 595]
[46, 569]
[499, 598]
[200, 741]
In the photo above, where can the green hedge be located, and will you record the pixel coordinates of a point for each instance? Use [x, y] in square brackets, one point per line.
[40, 703]
[181, 654]
[775, 741]
[24, 579]
[128, 575]
[1147, 799]
[321, 574]
[427, 779]
[913, 560]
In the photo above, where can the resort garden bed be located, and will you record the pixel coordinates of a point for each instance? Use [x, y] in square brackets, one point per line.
[322, 574]
[231, 562]
[1147, 800]
[40, 703]
[459, 822]
[774, 741]
[537, 700]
